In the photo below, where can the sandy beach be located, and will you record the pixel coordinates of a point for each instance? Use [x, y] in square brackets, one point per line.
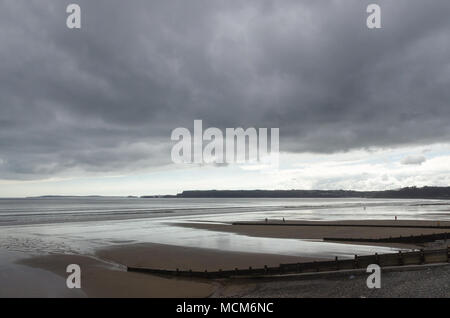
[104, 273]
[320, 230]
[199, 235]
[100, 279]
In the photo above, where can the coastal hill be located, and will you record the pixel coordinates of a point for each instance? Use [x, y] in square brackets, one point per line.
[403, 193]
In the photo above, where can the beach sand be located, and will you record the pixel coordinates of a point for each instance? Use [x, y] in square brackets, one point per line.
[171, 257]
[279, 229]
[99, 279]
[104, 274]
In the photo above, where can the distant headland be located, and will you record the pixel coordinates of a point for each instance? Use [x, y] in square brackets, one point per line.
[403, 193]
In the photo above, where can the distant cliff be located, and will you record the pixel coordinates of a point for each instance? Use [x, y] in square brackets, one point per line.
[403, 193]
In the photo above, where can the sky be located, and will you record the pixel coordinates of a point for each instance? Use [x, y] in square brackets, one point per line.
[91, 110]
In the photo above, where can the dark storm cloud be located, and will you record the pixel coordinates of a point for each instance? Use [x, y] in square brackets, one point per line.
[105, 98]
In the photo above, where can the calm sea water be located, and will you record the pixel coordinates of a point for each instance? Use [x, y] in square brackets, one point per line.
[81, 225]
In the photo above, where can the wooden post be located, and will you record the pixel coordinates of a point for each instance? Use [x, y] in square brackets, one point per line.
[377, 259]
[316, 266]
[448, 251]
[400, 257]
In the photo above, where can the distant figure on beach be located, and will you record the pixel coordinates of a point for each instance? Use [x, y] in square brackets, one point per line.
[266, 220]
[284, 220]
[396, 218]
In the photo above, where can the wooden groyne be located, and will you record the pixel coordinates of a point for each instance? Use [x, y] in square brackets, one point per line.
[444, 227]
[412, 239]
[358, 262]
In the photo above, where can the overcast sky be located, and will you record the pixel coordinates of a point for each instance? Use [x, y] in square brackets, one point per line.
[91, 111]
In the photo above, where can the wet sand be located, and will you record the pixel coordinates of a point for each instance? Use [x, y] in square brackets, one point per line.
[25, 281]
[320, 230]
[171, 257]
[99, 279]
[104, 275]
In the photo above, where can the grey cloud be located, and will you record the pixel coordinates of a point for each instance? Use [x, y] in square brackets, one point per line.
[414, 160]
[136, 70]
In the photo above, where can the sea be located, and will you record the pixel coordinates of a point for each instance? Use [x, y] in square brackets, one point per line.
[81, 225]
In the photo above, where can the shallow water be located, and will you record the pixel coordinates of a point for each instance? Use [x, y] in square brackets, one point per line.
[80, 225]
[24, 281]
[51, 210]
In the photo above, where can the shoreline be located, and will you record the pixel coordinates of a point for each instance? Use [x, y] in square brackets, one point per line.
[318, 230]
[104, 274]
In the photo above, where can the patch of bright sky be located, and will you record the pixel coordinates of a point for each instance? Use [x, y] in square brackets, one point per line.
[374, 169]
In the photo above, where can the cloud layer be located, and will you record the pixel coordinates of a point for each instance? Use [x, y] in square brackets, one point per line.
[414, 160]
[105, 98]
